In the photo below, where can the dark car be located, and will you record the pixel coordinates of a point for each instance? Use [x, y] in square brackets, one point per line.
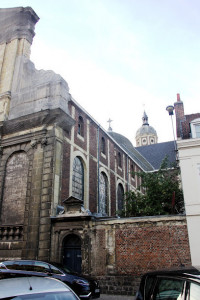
[84, 287]
[179, 284]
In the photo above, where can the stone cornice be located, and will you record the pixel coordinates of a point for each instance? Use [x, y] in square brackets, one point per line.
[16, 23]
[188, 143]
[42, 118]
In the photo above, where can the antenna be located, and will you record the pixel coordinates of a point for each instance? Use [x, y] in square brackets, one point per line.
[30, 287]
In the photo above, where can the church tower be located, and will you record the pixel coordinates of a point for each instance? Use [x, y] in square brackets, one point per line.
[146, 135]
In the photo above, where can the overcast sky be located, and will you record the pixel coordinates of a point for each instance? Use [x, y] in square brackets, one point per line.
[121, 57]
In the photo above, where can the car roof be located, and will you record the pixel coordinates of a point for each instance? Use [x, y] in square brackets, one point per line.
[186, 272]
[30, 285]
[23, 260]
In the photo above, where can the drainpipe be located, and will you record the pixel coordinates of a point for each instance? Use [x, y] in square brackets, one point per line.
[127, 173]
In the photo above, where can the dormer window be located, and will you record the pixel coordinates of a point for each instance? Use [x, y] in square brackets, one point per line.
[80, 126]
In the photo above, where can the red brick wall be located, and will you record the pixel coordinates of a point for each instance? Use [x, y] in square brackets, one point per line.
[93, 140]
[140, 249]
[134, 246]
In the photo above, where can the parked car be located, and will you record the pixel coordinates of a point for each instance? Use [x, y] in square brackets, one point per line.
[179, 284]
[84, 287]
[35, 288]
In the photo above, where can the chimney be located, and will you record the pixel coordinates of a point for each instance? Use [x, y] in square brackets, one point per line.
[179, 112]
[178, 98]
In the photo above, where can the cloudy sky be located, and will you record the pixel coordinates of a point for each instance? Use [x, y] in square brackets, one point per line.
[121, 57]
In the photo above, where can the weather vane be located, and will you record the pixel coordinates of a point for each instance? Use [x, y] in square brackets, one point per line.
[109, 121]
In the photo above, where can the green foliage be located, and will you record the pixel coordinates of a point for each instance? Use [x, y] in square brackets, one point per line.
[158, 194]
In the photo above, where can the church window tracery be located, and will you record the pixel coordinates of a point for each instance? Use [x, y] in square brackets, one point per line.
[78, 179]
[103, 193]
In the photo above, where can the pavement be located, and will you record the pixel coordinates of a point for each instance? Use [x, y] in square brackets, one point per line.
[116, 297]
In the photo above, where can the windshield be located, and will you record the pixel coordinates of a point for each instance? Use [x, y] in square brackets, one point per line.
[45, 296]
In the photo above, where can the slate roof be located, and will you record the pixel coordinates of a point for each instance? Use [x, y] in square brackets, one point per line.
[155, 153]
[132, 152]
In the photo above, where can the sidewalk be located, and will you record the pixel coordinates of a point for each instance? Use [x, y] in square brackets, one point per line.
[116, 297]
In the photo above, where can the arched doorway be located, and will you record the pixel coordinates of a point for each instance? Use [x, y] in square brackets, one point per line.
[72, 252]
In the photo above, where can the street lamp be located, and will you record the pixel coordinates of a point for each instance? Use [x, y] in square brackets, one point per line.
[170, 109]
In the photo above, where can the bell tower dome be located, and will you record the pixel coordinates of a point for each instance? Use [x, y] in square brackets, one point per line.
[146, 135]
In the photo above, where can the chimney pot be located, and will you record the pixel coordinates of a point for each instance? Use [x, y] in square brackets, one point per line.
[178, 97]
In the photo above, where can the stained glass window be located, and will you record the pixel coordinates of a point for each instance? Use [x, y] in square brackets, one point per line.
[103, 193]
[78, 179]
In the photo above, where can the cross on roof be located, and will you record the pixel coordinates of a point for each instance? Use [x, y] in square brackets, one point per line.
[109, 121]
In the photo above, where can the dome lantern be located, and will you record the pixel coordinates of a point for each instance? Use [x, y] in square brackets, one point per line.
[146, 135]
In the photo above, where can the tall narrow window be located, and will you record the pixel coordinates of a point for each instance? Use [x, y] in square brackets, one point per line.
[120, 196]
[119, 160]
[103, 145]
[132, 171]
[103, 191]
[80, 126]
[78, 179]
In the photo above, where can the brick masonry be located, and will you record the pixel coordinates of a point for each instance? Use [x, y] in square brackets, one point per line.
[119, 251]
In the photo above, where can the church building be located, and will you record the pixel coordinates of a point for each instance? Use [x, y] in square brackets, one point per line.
[63, 177]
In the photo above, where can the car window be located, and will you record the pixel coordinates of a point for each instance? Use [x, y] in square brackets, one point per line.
[168, 289]
[14, 265]
[26, 265]
[55, 270]
[148, 286]
[194, 291]
[41, 267]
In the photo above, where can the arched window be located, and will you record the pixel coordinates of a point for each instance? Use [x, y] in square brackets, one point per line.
[80, 126]
[78, 179]
[103, 193]
[103, 145]
[120, 196]
[15, 188]
[119, 160]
